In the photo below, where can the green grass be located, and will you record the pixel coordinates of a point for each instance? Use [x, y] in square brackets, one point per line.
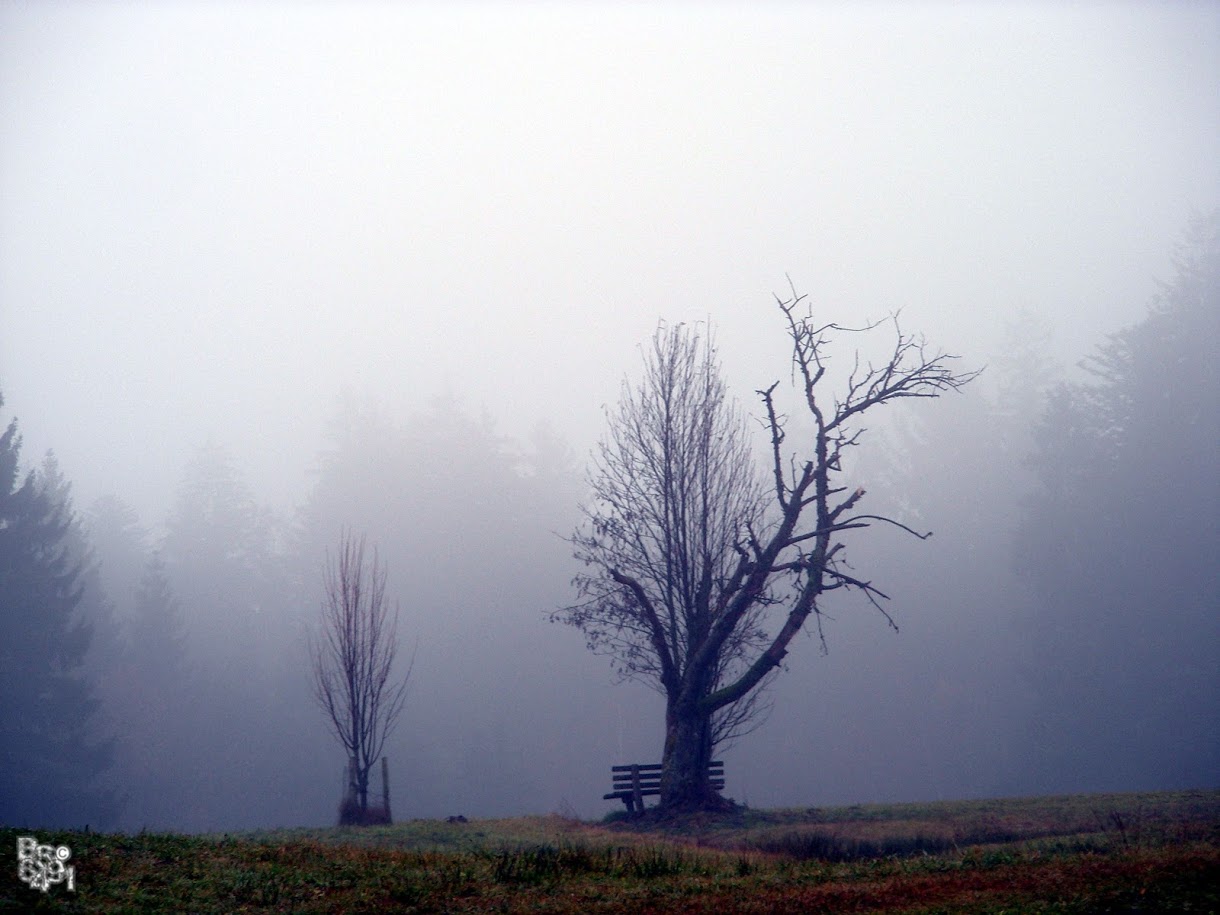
[1149, 852]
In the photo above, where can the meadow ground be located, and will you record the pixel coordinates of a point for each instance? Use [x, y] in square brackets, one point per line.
[1079, 854]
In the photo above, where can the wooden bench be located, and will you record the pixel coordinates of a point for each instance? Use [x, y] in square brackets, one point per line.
[634, 783]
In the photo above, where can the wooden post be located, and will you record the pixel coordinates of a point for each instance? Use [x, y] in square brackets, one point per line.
[636, 797]
[385, 788]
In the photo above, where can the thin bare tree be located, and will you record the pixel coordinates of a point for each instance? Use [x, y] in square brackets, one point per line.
[688, 576]
[354, 657]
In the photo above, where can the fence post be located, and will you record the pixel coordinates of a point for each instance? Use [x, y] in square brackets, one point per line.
[385, 788]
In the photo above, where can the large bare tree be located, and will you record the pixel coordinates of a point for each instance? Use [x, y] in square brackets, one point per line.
[354, 657]
[695, 582]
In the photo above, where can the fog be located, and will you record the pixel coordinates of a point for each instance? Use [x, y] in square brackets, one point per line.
[270, 270]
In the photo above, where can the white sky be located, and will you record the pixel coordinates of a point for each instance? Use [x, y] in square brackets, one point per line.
[214, 217]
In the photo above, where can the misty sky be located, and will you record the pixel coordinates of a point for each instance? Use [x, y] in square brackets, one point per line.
[216, 217]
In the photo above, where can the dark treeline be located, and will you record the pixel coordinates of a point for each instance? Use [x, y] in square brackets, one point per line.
[1058, 633]
[1122, 540]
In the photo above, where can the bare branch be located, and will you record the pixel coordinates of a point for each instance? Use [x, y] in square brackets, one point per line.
[914, 533]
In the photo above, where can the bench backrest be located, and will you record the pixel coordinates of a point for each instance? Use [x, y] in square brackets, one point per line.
[649, 775]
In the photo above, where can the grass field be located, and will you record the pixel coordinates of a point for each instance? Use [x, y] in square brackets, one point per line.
[1096, 853]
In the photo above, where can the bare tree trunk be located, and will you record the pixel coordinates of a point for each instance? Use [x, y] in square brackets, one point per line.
[385, 788]
[688, 750]
[358, 783]
[351, 797]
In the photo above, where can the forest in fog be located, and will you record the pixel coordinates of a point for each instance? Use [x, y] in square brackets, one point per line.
[1057, 634]
[272, 273]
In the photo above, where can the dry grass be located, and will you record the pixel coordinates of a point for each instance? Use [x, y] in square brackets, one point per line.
[1148, 853]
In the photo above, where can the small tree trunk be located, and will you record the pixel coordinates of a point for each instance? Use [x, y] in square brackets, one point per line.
[385, 788]
[353, 781]
[688, 750]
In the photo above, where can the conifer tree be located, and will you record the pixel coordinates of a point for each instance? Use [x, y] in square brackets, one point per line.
[49, 753]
